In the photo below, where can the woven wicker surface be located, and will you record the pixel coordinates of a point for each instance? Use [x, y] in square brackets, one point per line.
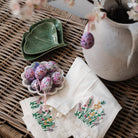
[12, 65]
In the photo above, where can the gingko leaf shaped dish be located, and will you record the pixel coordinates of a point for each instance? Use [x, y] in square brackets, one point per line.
[42, 38]
[35, 56]
[57, 24]
[59, 30]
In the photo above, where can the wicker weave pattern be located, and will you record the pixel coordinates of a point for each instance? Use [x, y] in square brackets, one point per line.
[12, 65]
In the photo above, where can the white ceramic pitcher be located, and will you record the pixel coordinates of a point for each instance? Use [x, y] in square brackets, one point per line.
[114, 55]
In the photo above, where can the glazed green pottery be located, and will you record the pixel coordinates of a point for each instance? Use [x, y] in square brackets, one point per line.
[43, 37]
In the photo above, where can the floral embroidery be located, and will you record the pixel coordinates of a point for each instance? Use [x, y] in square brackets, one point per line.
[43, 117]
[90, 116]
[36, 104]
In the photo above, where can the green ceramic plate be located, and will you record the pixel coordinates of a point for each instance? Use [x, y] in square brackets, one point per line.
[57, 24]
[42, 38]
[33, 57]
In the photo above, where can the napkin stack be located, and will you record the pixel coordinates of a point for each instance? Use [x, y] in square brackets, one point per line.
[83, 108]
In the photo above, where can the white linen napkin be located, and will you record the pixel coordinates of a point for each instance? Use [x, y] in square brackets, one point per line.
[83, 108]
[92, 120]
[40, 123]
[82, 85]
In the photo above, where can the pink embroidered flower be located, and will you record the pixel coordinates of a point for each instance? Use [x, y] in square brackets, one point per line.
[90, 102]
[80, 108]
[40, 110]
[39, 100]
[53, 125]
[85, 105]
[85, 116]
[42, 119]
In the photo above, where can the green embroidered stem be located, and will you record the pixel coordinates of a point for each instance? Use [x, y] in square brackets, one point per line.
[103, 102]
[35, 105]
[90, 102]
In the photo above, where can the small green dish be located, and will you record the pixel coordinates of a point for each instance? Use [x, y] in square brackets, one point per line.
[34, 54]
[42, 38]
[57, 24]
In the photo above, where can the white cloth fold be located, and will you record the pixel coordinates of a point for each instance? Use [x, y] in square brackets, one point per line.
[78, 80]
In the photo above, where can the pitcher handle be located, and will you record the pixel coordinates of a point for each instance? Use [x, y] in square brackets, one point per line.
[134, 33]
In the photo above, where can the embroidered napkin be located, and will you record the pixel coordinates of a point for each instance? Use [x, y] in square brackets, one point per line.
[84, 108]
[89, 106]
[42, 123]
[94, 114]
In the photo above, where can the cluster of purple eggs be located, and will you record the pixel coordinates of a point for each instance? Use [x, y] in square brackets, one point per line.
[43, 77]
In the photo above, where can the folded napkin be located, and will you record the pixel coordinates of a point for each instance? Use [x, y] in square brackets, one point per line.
[83, 108]
[42, 123]
[94, 114]
[78, 80]
[89, 106]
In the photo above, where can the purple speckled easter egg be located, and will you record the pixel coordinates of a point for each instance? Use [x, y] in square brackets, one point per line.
[29, 75]
[40, 72]
[35, 85]
[51, 66]
[35, 65]
[46, 84]
[57, 78]
[87, 40]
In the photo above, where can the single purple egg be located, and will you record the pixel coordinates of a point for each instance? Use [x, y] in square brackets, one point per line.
[40, 72]
[87, 40]
[46, 84]
[35, 65]
[57, 78]
[35, 85]
[51, 66]
[29, 75]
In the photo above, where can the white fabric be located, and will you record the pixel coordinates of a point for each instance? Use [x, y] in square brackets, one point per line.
[78, 79]
[111, 108]
[81, 84]
[35, 128]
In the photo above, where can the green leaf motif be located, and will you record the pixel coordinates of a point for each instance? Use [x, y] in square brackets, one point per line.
[103, 102]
